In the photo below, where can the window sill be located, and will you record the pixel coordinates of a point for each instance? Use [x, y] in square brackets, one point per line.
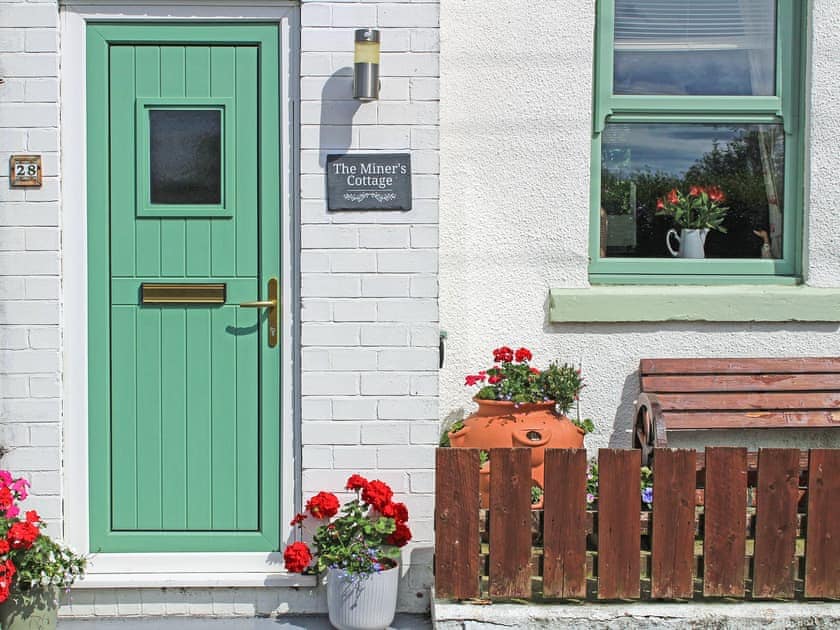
[737, 303]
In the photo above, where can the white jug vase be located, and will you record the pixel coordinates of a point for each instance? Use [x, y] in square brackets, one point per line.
[691, 243]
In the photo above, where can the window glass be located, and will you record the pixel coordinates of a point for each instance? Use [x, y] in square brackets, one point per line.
[185, 156]
[740, 166]
[695, 47]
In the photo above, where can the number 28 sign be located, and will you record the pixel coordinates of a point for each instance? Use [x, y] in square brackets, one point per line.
[25, 170]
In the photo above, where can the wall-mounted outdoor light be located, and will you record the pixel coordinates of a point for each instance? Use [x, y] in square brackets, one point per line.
[366, 65]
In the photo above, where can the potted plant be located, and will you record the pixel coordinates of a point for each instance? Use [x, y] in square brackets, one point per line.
[359, 551]
[520, 405]
[693, 214]
[33, 567]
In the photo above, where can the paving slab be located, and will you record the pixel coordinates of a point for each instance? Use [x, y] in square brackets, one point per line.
[313, 622]
[641, 616]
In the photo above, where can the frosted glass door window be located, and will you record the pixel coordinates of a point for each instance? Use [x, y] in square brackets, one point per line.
[185, 156]
[695, 47]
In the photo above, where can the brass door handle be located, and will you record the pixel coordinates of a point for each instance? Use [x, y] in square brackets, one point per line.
[271, 304]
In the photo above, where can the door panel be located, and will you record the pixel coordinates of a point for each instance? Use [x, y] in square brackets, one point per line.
[192, 429]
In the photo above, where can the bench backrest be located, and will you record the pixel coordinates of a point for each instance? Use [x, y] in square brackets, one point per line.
[745, 393]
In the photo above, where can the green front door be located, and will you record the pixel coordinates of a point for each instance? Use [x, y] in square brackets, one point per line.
[183, 226]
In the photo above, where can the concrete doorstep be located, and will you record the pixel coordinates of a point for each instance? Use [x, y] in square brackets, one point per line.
[283, 622]
[723, 616]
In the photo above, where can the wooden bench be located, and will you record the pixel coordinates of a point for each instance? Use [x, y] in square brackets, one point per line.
[701, 394]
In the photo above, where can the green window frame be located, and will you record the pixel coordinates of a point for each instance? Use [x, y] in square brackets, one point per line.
[145, 207]
[785, 108]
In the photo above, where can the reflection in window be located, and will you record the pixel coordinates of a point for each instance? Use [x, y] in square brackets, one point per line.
[185, 156]
[641, 163]
[695, 47]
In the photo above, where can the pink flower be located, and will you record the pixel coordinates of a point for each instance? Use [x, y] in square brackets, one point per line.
[19, 486]
[12, 511]
[5, 477]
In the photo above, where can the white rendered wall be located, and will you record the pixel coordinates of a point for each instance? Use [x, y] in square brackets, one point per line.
[30, 265]
[515, 153]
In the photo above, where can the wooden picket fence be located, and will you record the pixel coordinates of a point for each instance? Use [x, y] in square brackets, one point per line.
[724, 525]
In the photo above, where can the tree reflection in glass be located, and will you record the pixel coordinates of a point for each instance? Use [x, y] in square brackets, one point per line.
[641, 162]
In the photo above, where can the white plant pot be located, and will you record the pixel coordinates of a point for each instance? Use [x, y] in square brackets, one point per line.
[362, 602]
[692, 243]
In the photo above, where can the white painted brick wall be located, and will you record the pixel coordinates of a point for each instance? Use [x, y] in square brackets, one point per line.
[30, 240]
[369, 279]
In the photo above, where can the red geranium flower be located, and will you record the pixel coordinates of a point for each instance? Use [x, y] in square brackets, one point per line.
[523, 354]
[356, 482]
[660, 205]
[6, 498]
[400, 536]
[401, 511]
[22, 535]
[471, 379]
[377, 494]
[32, 516]
[695, 191]
[298, 519]
[673, 197]
[297, 557]
[4, 546]
[503, 355]
[323, 505]
[495, 378]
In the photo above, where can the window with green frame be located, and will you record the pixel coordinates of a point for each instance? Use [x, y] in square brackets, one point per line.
[697, 126]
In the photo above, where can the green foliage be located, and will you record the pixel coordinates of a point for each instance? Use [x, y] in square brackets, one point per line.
[47, 562]
[518, 382]
[586, 424]
[483, 457]
[353, 541]
[645, 485]
[536, 494]
[699, 209]
[562, 384]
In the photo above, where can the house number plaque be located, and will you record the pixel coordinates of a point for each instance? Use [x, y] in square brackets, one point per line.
[369, 181]
[25, 170]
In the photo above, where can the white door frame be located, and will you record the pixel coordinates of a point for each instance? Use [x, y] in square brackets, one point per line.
[165, 569]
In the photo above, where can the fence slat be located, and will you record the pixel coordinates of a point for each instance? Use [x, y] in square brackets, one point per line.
[619, 531]
[724, 542]
[822, 550]
[672, 564]
[457, 544]
[510, 522]
[564, 529]
[774, 563]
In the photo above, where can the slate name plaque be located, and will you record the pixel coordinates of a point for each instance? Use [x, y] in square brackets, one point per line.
[370, 181]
